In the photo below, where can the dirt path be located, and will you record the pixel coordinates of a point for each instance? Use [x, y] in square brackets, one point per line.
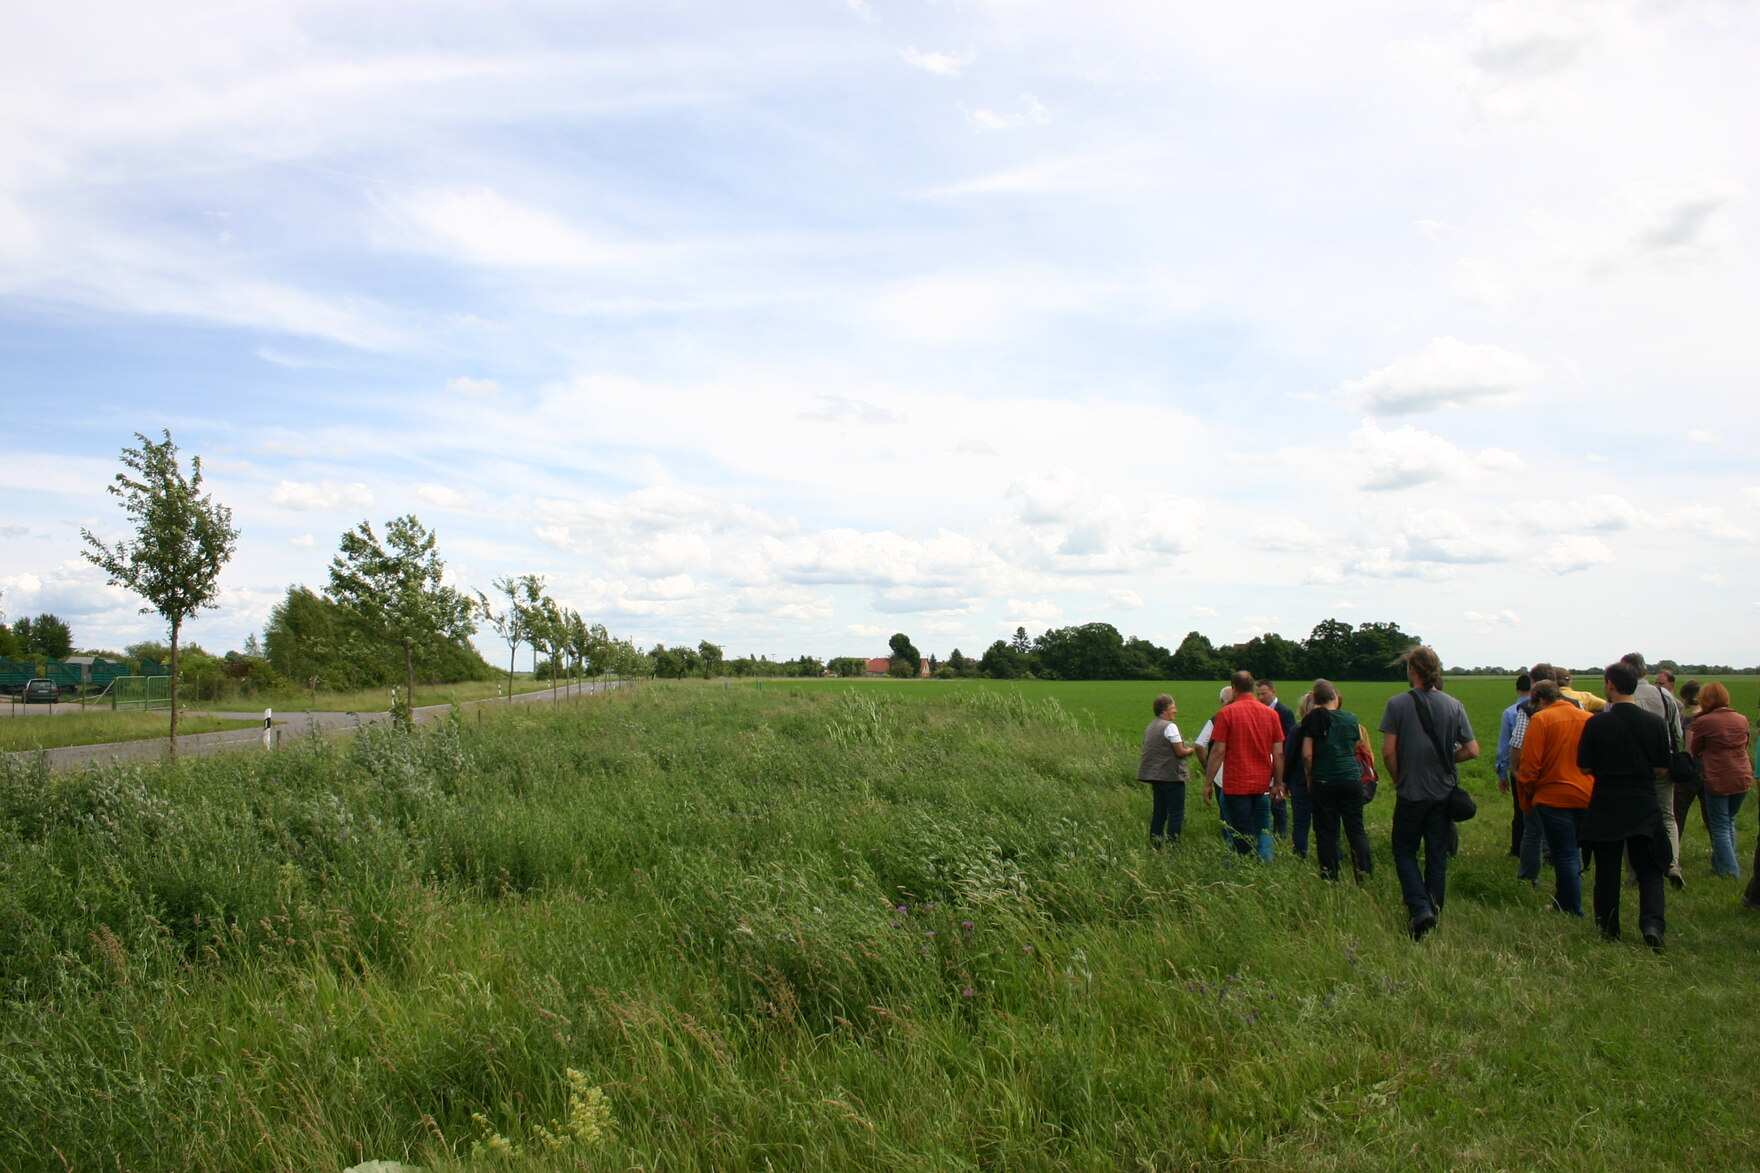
[289, 724]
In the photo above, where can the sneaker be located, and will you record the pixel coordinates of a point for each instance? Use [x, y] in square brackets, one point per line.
[1679, 881]
[1421, 924]
[1654, 940]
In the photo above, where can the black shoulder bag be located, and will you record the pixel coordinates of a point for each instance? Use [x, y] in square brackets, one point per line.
[1461, 806]
[1682, 766]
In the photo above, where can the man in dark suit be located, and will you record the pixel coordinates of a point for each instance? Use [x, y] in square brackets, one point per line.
[1268, 697]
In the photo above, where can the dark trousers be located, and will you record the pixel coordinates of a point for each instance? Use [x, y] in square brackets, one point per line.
[1422, 824]
[1301, 817]
[1751, 894]
[1279, 817]
[1609, 874]
[1684, 795]
[1337, 803]
[1167, 819]
[1518, 822]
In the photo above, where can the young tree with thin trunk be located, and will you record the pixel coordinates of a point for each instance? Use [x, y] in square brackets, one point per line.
[394, 592]
[183, 538]
[510, 624]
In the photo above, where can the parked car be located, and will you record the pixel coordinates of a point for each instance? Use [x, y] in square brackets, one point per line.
[41, 690]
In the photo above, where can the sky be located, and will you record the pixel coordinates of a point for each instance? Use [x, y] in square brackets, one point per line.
[792, 325]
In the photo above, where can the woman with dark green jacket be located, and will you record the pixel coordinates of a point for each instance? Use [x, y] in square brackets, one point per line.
[1335, 780]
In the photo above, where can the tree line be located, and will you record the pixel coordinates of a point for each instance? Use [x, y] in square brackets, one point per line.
[1097, 651]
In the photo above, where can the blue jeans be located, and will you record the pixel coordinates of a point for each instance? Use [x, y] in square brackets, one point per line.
[1168, 817]
[1720, 811]
[1528, 854]
[1560, 826]
[1249, 821]
[1422, 823]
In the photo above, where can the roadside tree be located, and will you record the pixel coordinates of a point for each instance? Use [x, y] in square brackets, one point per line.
[182, 539]
[509, 624]
[394, 593]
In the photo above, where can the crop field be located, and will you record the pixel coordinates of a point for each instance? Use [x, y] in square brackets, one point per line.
[814, 926]
[1122, 707]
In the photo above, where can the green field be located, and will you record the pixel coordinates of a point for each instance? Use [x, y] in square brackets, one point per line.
[36, 730]
[901, 927]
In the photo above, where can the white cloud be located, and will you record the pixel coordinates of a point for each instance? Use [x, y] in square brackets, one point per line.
[302, 541]
[1124, 600]
[1023, 612]
[1527, 39]
[1645, 229]
[73, 590]
[1388, 562]
[1059, 521]
[945, 64]
[1406, 457]
[1447, 373]
[1602, 512]
[474, 388]
[1032, 112]
[1438, 535]
[328, 495]
[843, 409]
[1205, 613]
[1573, 552]
[1701, 436]
[448, 497]
[292, 362]
[1708, 520]
[1288, 536]
[1049, 498]
[480, 226]
[1493, 618]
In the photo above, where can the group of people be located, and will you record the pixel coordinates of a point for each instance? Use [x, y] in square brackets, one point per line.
[1560, 754]
[1596, 782]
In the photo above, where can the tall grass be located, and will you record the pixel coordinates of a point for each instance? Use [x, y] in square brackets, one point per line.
[27, 731]
[805, 929]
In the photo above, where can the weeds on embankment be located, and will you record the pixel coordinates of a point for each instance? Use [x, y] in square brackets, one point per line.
[697, 929]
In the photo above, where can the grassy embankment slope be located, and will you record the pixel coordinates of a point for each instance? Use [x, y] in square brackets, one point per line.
[809, 928]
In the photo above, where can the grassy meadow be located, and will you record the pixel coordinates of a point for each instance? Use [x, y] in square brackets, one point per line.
[814, 926]
[28, 730]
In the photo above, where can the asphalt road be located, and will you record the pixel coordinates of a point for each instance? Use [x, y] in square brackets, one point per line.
[288, 724]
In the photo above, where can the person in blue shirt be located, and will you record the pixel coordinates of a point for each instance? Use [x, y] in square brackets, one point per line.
[1524, 683]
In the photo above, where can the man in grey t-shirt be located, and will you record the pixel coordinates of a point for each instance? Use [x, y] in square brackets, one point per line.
[1662, 704]
[1423, 779]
